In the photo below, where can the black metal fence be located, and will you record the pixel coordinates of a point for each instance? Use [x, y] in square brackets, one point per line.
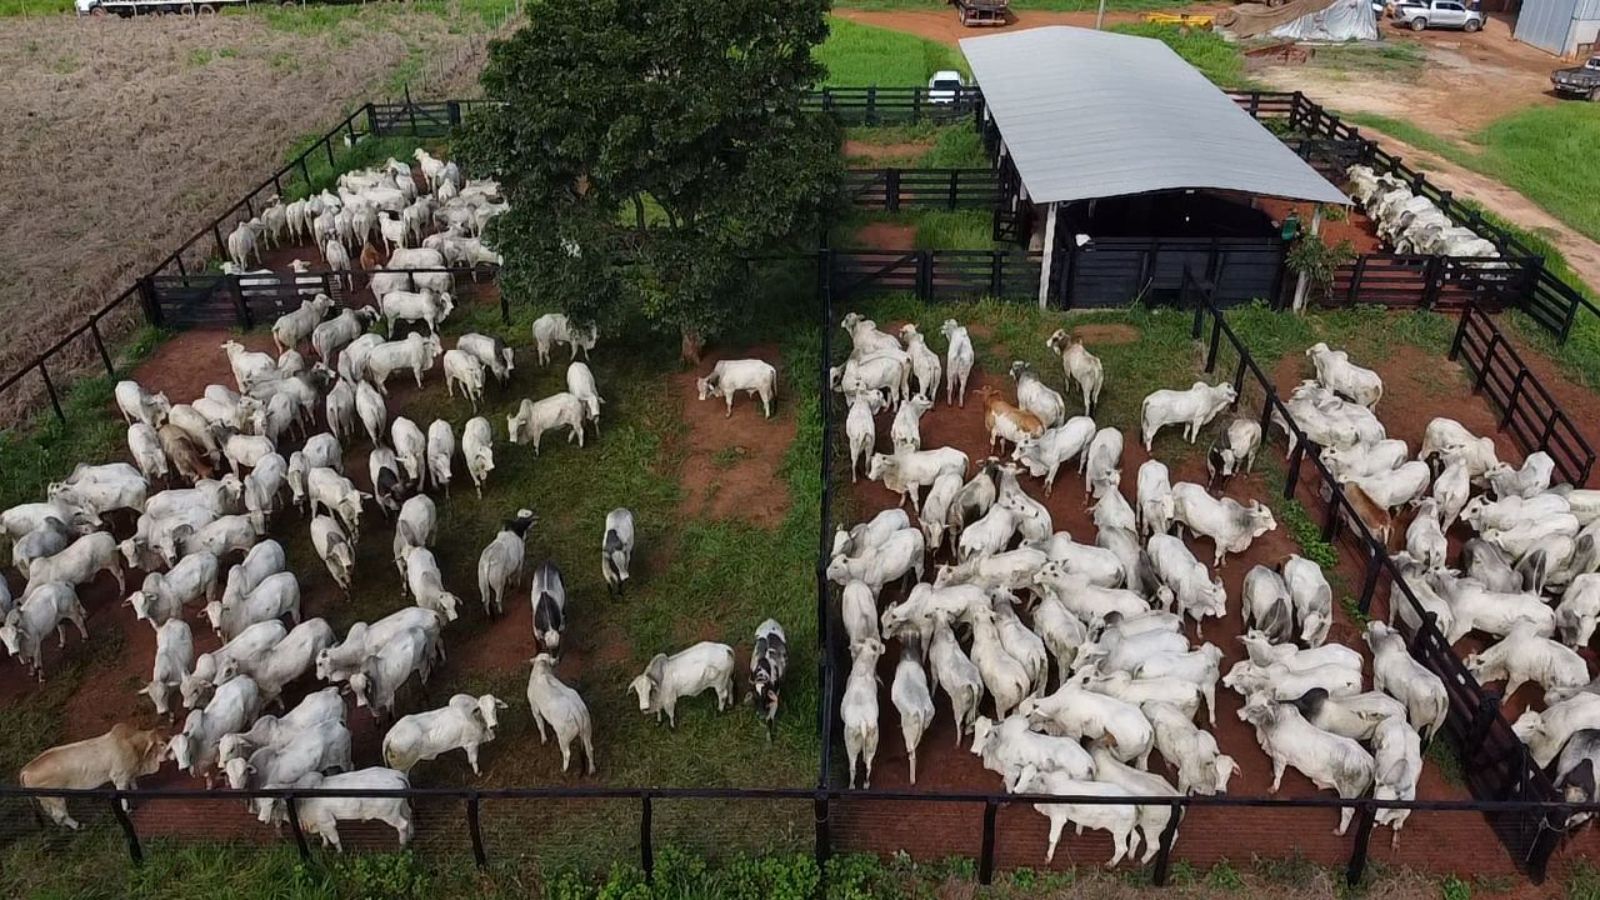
[933, 275]
[1496, 763]
[245, 301]
[897, 105]
[1528, 410]
[468, 820]
[1446, 283]
[1112, 272]
[893, 189]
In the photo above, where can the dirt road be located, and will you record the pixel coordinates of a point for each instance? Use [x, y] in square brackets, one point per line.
[941, 25]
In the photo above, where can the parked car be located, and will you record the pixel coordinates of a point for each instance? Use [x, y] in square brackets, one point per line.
[1420, 15]
[1579, 81]
[945, 86]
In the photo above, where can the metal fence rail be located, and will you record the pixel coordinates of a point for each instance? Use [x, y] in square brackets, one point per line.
[1498, 765]
[894, 189]
[1527, 408]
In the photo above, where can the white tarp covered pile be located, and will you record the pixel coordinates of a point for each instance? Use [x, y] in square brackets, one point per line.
[1303, 20]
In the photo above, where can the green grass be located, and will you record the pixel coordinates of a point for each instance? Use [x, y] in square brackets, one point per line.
[922, 146]
[9, 8]
[861, 55]
[1398, 58]
[1216, 59]
[1544, 152]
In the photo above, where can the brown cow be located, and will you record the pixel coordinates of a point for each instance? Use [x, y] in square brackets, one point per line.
[119, 756]
[187, 457]
[1006, 422]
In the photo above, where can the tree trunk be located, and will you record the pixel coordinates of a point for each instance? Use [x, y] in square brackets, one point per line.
[692, 345]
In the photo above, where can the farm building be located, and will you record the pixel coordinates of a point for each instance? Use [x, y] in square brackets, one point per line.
[1110, 143]
[1563, 27]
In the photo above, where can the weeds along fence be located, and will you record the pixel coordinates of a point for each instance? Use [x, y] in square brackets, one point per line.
[1527, 408]
[1496, 762]
[558, 828]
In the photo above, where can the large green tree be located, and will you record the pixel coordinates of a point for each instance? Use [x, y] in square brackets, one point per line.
[647, 146]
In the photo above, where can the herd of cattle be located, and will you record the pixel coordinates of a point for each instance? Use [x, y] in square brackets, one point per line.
[1410, 222]
[1110, 614]
[240, 461]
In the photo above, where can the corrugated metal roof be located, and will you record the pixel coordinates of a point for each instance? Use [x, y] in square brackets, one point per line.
[1090, 114]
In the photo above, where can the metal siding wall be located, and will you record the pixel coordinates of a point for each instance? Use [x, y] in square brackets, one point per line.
[1585, 27]
[1545, 23]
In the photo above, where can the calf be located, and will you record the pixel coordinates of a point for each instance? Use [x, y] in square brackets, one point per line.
[616, 550]
[769, 659]
[549, 598]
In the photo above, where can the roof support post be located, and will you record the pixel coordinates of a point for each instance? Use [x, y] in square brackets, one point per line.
[1049, 254]
[1301, 285]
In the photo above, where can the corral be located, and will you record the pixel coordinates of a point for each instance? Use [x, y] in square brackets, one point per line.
[729, 511]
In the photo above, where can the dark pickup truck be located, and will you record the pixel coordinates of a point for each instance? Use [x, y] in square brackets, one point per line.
[1579, 81]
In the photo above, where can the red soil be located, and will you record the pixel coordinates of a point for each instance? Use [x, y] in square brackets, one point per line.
[887, 236]
[1431, 841]
[1355, 227]
[732, 466]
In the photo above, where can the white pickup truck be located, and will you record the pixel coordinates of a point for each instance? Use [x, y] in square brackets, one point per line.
[127, 8]
[1420, 15]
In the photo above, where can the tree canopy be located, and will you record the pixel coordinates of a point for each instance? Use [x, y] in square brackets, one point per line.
[646, 146]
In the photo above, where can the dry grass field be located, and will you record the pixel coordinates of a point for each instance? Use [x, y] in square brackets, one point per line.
[122, 137]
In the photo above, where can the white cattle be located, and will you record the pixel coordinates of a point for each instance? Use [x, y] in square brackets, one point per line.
[1337, 373]
[1192, 408]
[1312, 596]
[912, 698]
[532, 420]
[1074, 712]
[44, 608]
[1397, 674]
[559, 706]
[80, 562]
[1080, 366]
[1043, 456]
[1230, 525]
[554, 328]
[477, 447]
[1037, 397]
[860, 431]
[924, 364]
[138, 405]
[232, 707]
[1185, 580]
[389, 666]
[701, 667]
[1120, 821]
[1156, 504]
[277, 595]
[858, 710]
[1101, 463]
[319, 816]
[1547, 732]
[1523, 656]
[465, 722]
[1330, 761]
[907, 473]
[1192, 753]
[242, 653]
[954, 673]
[414, 353]
[1009, 747]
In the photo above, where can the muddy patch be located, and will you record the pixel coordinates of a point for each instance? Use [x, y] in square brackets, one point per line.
[732, 463]
[185, 365]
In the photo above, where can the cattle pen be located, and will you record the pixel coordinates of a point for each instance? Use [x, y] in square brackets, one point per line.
[1508, 798]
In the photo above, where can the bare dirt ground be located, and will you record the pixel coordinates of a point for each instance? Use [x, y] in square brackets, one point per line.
[941, 24]
[732, 469]
[1419, 387]
[887, 236]
[124, 137]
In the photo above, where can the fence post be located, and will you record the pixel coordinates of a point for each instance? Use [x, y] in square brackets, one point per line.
[135, 851]
[1432, 284]
[1164, 855]
[1238, 384]
[294, 827]
[241, 308]
[1293, 478]
[1370, 585]
[327, 145]
[872, 105]
[647, 854]
[955, 179]
[50, 388]
[147, 299]
[1216, 335]
[925, 275]
[1355, 280]
[1488, 711]
[1199, 321]
[1516, 394]
[1488, 358]
[996, 273]
[305, 173]
[505, 308]
[820, 813]
[475, 831]
[986, 856]
[1330, 522]
[1358, 856]
[1461, 333]
[216, 232]
[1266, 408]
[99, 344]
[891, 190]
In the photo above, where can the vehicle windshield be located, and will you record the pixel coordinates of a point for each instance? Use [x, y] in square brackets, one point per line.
[946, 84]
[1593, 63]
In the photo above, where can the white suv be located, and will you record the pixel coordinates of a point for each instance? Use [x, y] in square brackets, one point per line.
[944, 86]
